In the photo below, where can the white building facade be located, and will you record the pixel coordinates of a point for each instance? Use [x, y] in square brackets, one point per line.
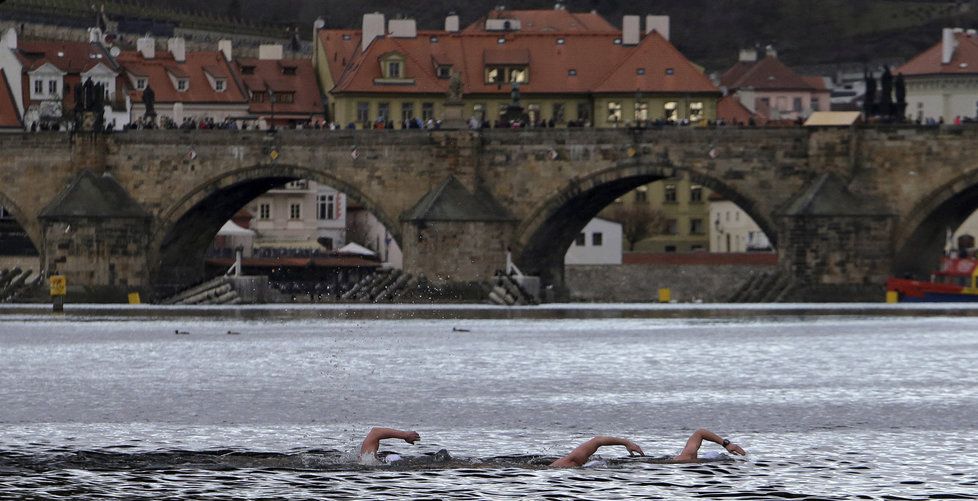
[732, 230]
[942, 82]
[600, 242]
[301, 215]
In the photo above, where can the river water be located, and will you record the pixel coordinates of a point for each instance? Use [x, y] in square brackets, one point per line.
[829, 408]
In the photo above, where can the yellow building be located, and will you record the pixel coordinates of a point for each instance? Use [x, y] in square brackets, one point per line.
[681, 215]
[572, 69]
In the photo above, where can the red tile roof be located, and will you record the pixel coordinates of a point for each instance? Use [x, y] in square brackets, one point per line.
[199, 89]
[573, 62]
[766, 74]
[69, 57]
[548, 21]
[9, 114]
[964, 61]
[730, 110]
[271, 74]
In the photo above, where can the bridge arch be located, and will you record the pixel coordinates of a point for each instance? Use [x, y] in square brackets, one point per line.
[32, 228]
[186, 228]
[921, 237]
[544, 237]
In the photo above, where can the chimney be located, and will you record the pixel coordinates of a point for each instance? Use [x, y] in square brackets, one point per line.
[373, 27]
[226, 48]
[318, 24]
[631, 30]
[452, 23]
[9, 39]
[748, 55]
[560, 6]
[948, 44]
[659, 24]
[94, 35]
[270, 52]
[770, 51]
[402, 28]
[178, 47]
[146, 46]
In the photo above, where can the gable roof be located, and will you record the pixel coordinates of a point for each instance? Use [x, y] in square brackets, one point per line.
[450, 201]
[9, 114]
[768, 73]
[271, 74]
[964, 60]
[585, 57]
[829, 196]
[730, 110]
[157, 71]
[94, 196]
[69, 57]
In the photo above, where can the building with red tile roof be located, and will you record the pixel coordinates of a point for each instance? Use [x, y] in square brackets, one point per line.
[49, 72]
[941, 81]
[186, 85]
[9, 112]
[570, 68]
[282, 91]
[771, 90]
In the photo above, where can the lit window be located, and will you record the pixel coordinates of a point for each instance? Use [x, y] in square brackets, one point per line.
[696, 111]
[295, 211]
[614, 112]
[264, 211]
[519, 75]
[641, 111]
[492, 75]
[671, 111]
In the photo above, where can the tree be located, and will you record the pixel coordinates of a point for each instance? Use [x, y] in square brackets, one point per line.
[637, 222]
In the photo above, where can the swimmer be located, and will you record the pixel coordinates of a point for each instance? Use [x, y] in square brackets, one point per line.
[579, 456]
[371, 443]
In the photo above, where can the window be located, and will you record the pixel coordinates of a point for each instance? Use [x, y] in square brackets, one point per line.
[295, 211]
[572, 72]
[641, 111]
[670, 196]
[479, 111]
[614, 112]
[696, 193]
[257, 97]
[444, 71]
[433, 39]
[782, 103]
[640, 71]
[696, 111]
[670, 71]
[53, 87]
[393, 69]
[815, 104]
[264, 211]
[288, 70]
[696, 226]
[561, 41]
[38, 87]
[671, 111]
[583, 112]
[597, 239]
[507, 74]
[140, 83]
[558, 113]
[363, 112]
[533, 113]
[427, 111]
[383, 111]
[642, 195]
[182, 84]
[219, 85]
[407, 111]
[672, 227]
[796, 104]
[324, 207]
[580, 240]
[285, 97]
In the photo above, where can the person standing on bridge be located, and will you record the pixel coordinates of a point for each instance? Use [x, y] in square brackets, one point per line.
[690, 453]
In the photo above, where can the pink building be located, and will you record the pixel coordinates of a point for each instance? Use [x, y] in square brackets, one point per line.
[771, 90]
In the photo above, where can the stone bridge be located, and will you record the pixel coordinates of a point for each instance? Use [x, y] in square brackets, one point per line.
[844, 207]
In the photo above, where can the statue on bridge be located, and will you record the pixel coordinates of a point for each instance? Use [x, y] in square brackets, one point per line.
[90, 106]
[149, 101]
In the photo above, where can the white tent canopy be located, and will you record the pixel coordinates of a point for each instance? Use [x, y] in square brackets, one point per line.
[354, 248]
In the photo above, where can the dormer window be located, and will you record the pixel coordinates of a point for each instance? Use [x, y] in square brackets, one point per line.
[507, 74]
[140, 84]
[220, 84]
[444, 71]
[393, 70]
[182, 84]
[288, 70]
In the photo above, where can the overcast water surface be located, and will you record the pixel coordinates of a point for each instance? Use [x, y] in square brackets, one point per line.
[828, 408]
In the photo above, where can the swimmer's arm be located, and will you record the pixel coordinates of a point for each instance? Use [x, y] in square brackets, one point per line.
[580, 455]
[372, 441]
[692, 448]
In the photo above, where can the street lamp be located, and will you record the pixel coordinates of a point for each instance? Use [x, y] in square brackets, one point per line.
[271, 100]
